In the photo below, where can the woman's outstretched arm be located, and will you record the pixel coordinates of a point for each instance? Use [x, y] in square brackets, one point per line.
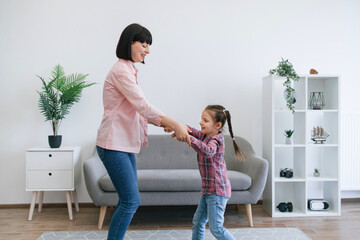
[181, 130]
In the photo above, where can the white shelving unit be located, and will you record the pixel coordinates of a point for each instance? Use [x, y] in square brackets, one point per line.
[303, 156]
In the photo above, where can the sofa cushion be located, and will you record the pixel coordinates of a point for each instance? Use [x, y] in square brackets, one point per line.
[239, 181]
[168, 180]
[178, 180]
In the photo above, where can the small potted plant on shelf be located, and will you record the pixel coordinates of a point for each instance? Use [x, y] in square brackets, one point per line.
[286, 69]
[57, 97]
[288, 134]
[316, 173]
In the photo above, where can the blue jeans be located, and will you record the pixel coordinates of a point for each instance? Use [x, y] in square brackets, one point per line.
[212, 208]
[121, 167]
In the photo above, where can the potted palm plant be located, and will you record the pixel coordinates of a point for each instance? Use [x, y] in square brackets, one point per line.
[57, 96]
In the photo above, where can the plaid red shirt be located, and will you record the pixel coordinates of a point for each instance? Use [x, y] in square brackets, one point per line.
[212, 166]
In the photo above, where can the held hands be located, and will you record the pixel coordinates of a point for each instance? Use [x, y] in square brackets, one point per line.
[168, 130]
[181, 133]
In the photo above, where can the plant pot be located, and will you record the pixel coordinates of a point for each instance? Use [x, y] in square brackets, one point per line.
[316, 174]
[54, 141]
[288, 141]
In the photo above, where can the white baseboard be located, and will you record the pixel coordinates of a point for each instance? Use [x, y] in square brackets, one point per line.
[350, 194]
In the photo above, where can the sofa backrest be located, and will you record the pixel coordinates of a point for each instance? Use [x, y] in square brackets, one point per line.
[231, 162]
[164, 152]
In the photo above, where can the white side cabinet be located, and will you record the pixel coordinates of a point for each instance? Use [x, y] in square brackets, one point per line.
[53, 169]
[303, 155]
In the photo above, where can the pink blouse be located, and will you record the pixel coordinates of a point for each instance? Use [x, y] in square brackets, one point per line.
[126, 111]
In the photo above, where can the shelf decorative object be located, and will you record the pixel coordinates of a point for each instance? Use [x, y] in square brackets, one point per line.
[58, 96]
[313, 71]
[287, 172]
[285, 207]
[316, 173]
[288, 134]
[317, 101]
[318, 135]
[286, 69]
[318, 205]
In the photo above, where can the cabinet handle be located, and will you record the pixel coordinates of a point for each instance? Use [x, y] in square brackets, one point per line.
[50, 155]
[50, 174]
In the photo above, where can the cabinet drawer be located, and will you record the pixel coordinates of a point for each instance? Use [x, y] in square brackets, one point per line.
[49, 180]
[49, 160]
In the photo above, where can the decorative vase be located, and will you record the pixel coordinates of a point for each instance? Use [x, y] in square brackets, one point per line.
[290, 99]
[288, 141]
[54, 141]
[316, 174]
[316, 101]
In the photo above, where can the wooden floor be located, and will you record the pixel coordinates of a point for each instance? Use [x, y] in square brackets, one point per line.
[14, 223]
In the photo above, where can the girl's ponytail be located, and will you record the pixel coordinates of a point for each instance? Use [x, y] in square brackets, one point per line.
[239, 154]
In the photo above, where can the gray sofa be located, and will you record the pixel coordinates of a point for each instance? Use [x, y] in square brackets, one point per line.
[168, 175]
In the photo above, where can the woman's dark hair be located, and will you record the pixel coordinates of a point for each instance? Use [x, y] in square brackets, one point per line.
[132, 33]
[221, 115]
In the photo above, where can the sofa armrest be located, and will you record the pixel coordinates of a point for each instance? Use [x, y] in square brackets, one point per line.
[93, 171]
[259, 177]
[257, 168]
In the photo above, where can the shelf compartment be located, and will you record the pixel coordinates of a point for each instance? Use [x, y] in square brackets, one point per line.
[294, 213]
[287, 120]
[294, 179]
[325, 159]
[328, 191]
[293, 192]
[328, 86]
[325, 145]
[329, 120]
[289, 145]
[290, 158]
[325, 213]
[322, 179]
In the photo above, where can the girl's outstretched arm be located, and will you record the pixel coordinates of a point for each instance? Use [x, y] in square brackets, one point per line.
[194, 132]
[206, 149]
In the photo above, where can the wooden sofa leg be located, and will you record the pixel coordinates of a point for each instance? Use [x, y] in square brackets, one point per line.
[249, 214]
[102, 216]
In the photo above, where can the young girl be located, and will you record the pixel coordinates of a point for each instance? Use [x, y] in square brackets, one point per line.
[210, 147]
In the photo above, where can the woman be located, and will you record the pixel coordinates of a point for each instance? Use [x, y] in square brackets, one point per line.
[123, 129]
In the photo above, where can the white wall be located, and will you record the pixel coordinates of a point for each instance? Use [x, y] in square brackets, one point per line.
[203, 52]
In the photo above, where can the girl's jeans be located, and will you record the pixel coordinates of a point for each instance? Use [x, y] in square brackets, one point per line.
[212, 208]
[121, 167]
